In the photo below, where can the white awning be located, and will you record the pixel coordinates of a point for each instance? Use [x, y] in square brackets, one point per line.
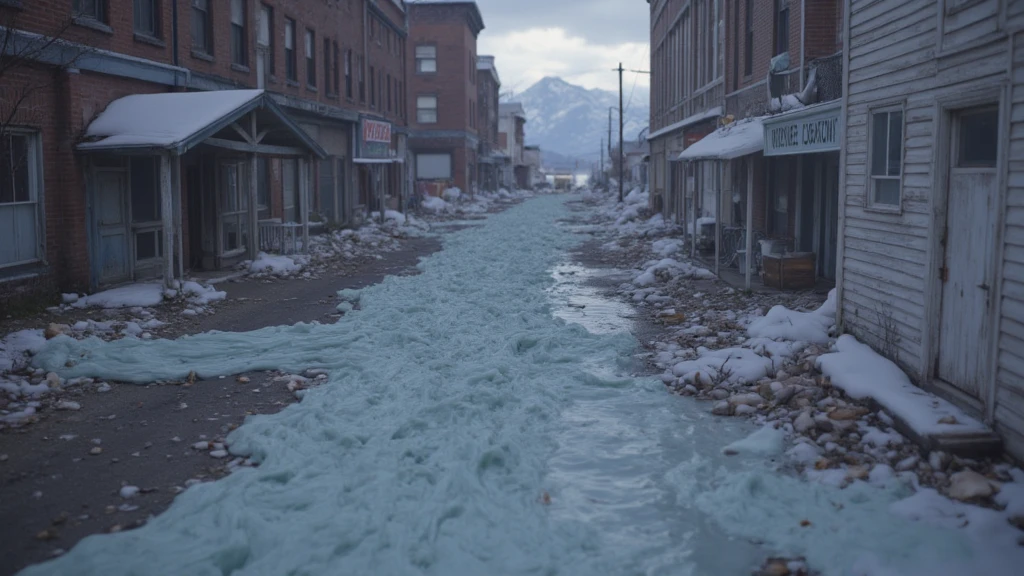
[737, 139]
[378, 160]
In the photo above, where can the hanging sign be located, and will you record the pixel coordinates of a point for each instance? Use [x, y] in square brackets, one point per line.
[802, 133]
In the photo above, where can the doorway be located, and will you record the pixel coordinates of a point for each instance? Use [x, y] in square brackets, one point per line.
[112, 226]
[965, 273]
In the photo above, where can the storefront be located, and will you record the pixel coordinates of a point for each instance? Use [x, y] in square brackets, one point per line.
[802, 207]
[380, 163]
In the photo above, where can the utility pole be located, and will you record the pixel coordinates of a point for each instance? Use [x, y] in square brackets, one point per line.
[610, 108]
[602, 157]
[621, 151]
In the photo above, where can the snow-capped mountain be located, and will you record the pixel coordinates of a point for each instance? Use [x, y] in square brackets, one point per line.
[571, 120]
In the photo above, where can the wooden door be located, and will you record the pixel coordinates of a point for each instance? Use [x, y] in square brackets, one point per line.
[112, 226]
[966, 273]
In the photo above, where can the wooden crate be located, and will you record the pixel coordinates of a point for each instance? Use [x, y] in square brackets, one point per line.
[791, 272]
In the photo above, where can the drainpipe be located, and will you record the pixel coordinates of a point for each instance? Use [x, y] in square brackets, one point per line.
[174, 32]
[803, 37]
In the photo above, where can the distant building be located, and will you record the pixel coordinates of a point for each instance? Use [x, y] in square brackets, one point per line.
[490, 158]
[512, 136]
[444, 130]
[532, 161]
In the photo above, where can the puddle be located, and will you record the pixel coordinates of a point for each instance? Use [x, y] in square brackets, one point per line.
[579, 301]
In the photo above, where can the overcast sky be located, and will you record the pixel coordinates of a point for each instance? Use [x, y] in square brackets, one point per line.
[579, 40]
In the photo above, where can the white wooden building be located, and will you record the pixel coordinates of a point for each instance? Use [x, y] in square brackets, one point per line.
[932, 197]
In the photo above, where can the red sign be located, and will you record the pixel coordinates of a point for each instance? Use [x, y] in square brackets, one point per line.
[374, 131]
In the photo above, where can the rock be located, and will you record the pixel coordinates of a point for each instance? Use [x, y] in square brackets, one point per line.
[219, 453]
[968, 484]
[750, 399]
[775, 567]
[781, 375]
[785, 394]
[96, 451]
[776, 387]
[204, 445]
[858, 472]
[242, 379]
[826, 402]
[68, 405]
[823, 422]
[845, 414]
[765, 390]
[52, 380]
[719, 394]
[908, 463]
[938, 460]
[744, 409]
[803, 423]
[948, 420]
[129, 491]
[52, 331]
[689, 390]
[722, 408]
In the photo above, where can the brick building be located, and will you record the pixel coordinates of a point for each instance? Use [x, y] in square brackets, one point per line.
[716, 66]
[490, 159]
[512, 140]
[443, 94]
[82, 214]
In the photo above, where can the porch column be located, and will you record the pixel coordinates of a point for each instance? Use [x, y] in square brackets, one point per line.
[683, 167]
[718, 214]
[178, 229]
[750, 219]
[698, 186]
[304, 176]
[254, 224]
[167, 218]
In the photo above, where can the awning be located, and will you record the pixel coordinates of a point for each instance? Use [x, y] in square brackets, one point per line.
[737, 139]
[378, 160]
[180, 121]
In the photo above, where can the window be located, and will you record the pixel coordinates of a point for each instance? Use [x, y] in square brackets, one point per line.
[202, 40]
[20, 233]
[373, 88]
[263, 187]
[328, 85]
[348, 73]
[433, 166]
[748, 48]
[426, 59]
[310, 58]
[978, 139]
[781, 26]
[362, 79]
[290, 181]
[426, 109]
[290, 64]
[239, 54]
[886, 157]
[335, 67]
[234, 206]
[388, 84]
[265, 38]
[145, 201]
[147, 18]
[92, 9]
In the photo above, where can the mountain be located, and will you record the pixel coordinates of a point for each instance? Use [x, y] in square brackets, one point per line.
[571, 120]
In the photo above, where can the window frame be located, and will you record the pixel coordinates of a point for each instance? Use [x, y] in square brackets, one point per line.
[373, 87]
[327, 67]
[34, 172]
[207, 20]
[155, 22]
[870, 201]
[240, 43]
[348, 73]
[240, 215]
[420, 109]
[420, 59]
[782, 6]
[270, 48]
[748, 48]
[99, 13]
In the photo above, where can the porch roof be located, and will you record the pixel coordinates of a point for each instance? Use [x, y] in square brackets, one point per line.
[737, 139]
[180, 121]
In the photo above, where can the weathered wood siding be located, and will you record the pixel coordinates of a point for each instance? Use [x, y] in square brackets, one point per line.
[1010, 354]
[914, 54]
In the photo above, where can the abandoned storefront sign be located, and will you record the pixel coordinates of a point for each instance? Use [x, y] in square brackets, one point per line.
[801, 133]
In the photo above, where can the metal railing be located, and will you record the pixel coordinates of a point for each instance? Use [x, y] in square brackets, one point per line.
[280, 237]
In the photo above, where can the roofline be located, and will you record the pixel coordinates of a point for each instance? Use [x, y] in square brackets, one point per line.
[476, 19]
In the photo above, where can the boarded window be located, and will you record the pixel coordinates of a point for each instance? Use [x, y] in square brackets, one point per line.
[433, 166]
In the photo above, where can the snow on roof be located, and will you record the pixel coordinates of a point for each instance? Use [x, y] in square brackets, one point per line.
[512, 108]
[162, 120]
[700, 116]
[737, 139]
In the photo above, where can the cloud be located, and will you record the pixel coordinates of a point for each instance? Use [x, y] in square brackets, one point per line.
[600, 22]
[525, 56]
